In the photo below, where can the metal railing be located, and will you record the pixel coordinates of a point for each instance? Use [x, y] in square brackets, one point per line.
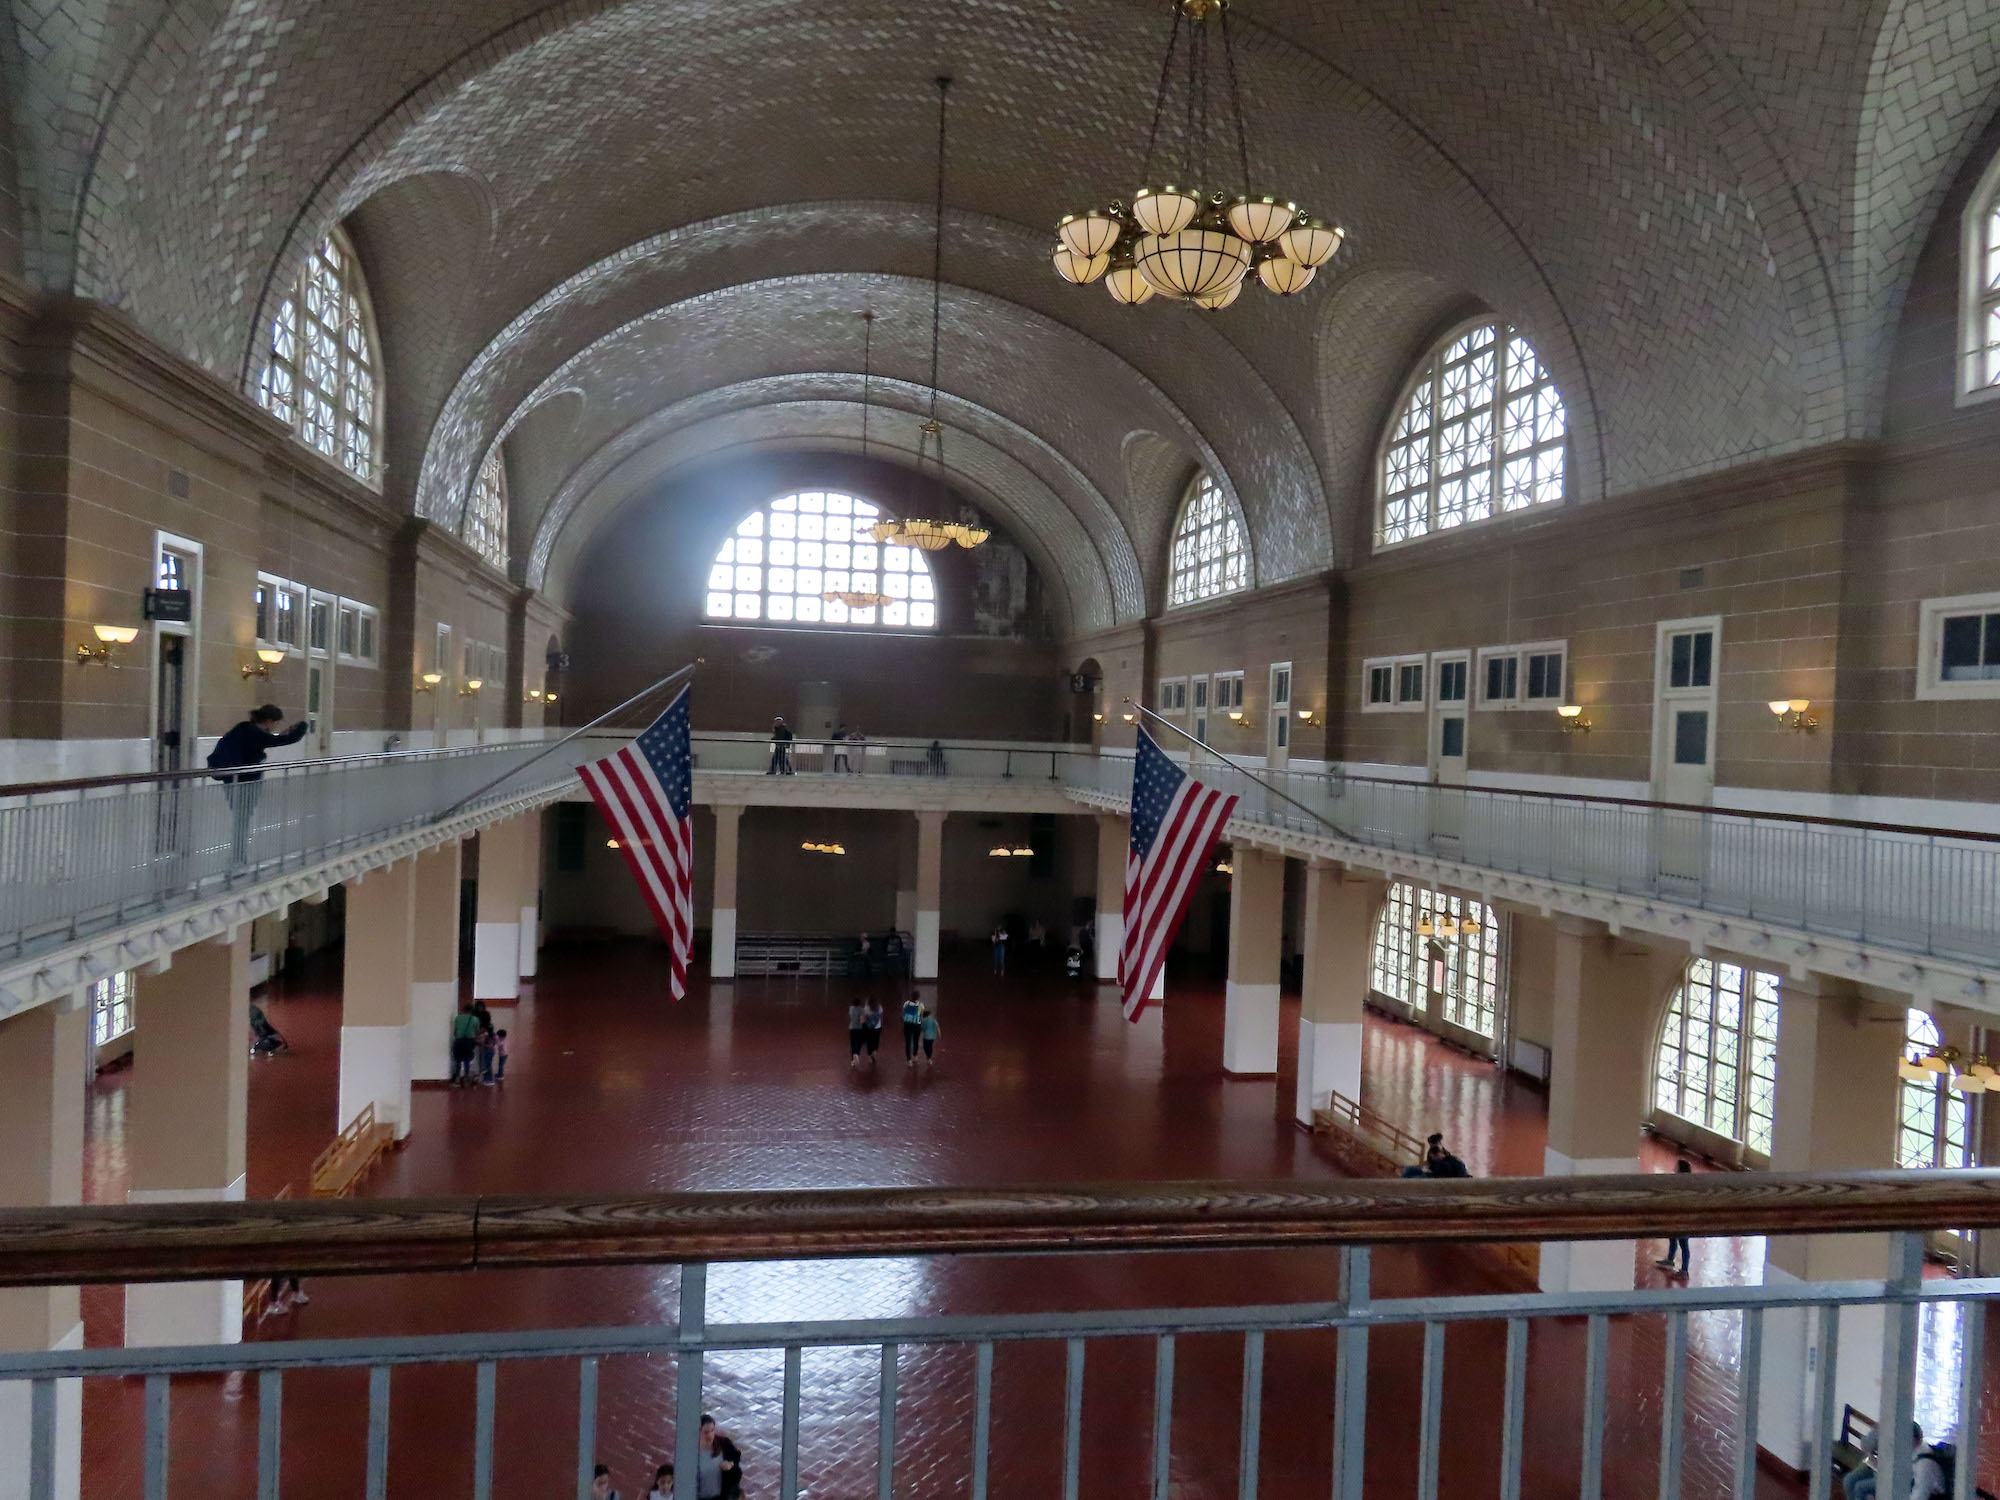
[80, 857]
[1911, 889]
[1701, 1398]
[979, 760]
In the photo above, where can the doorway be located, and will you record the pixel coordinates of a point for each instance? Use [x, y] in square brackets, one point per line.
[1686, 671]
[170, 705]
[819, 711]
[443, 691]
[319, 673]
[1449, 671]
[1278, 737]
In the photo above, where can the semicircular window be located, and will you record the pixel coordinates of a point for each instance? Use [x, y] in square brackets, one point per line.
[792, 561]
[1209, 557]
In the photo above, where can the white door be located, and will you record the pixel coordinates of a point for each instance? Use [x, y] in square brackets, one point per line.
[1449, 672]
[1199, 688]
[445, 692]
[319, 672]
[1278, 736]
[1686, 673]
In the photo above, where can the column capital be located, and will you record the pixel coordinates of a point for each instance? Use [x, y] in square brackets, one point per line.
[730, 811]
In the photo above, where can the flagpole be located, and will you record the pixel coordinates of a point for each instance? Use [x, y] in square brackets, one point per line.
[585, 729]
[1245, 770]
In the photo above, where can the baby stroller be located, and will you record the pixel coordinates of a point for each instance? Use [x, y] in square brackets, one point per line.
[265, 1039]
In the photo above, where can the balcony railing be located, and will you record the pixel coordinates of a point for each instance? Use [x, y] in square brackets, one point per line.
[1913, 890]
[978, 760]
[80, 857]
[1706, 1383]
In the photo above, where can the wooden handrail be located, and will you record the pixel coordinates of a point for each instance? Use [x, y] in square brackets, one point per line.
[184, 1242]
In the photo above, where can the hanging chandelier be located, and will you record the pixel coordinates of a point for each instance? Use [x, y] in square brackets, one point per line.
[1176, 240]
[930, 536]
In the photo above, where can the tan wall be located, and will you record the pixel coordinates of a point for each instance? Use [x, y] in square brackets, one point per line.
[1248, 636]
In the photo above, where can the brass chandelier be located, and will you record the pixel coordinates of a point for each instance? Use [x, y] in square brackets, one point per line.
[1175, 239]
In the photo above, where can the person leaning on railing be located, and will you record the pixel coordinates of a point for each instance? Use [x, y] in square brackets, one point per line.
[244, 747]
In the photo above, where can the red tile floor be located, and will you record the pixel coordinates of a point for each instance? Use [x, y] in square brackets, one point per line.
[613, 1088]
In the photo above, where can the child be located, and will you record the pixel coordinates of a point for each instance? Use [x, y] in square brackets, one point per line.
[663, 1483]
[930, 1031]
[857, 1030]
[873, 1026]
[488, 1041]
[499, 1057]
[600, 1482]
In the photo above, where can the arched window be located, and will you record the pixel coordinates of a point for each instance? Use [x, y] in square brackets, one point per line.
[1979, 313]
[321, 369]
[1208, 557]
[1717, 1063]
[1429, 943]
[1482, 432]
[1933, 1125]
[485, 528]
[784, 560]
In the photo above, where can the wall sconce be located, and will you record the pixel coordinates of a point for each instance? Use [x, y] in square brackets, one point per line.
[1224, 867]
[1573, 720]
[1129, 718]
[107, 636]
[1307, 716]
[533, 695]
[267, 658]
[472, 687]
[430, 682]
[1097, 718]
[611, 843]
[548, 697]
[1791, 714]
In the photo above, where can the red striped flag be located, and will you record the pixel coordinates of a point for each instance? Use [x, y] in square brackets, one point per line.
[646, 793]
[1175, 821]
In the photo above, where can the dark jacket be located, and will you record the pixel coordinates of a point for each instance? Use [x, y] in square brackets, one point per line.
[245, 746]
[732, 1473]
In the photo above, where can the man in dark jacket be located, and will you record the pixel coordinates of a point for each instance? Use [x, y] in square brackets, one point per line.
[235, 754]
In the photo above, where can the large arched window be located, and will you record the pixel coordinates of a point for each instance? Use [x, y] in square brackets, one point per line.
[1979, 312]
[1209, 557]
[1717, 1063]
[485, 528]
[1482, 432]
[784, 560]
[321, 368]
[1428, 943]
[1933, 1125]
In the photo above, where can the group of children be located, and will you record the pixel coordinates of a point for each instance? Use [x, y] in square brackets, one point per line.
[864, 1031]
[478, 1048]
[718, 1470]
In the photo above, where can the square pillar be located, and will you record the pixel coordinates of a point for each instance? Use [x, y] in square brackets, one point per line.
[1114, 850]
[496, 936]
[531, 892]
[1256, 953]
[434, 961]
[906, 878]
[377, 987]
[1341, 908]
[1609, 993]
[930, 886]
[188, 1106]
[1836, 1110]
[42, 1068]
[722, 911]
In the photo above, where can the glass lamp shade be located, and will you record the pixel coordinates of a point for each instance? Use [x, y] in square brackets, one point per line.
[969, 536]
[1194, 262]
[1261, 219]
[1090, 234]
[1126, 285]
[1285, 276]
[929, 535]
[1310, 242]
[1215, 302]
[884, 531]
[1078, 269]
[1165, 210]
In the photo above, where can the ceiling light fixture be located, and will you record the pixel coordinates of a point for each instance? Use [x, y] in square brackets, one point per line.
[1175, 240]
[854, 599]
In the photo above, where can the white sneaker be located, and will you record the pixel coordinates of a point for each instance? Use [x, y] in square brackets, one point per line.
[299, 1298]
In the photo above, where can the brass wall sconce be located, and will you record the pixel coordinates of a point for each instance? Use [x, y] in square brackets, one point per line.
[1307, 716]
[107, 637]
[1791, 714]
[267, 658]
[472, 687]
[429, 682]
[1236, 718]
[1129, 718]
[1097, 718]
[1573, 721]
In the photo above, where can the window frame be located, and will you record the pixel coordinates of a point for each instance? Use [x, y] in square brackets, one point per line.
[112, 999]
[353, 283]
[1225, 693]
[1232, 521]
[1519, 698]
[1172, 695]
[282, 588]
[1429, 369]
[367, 634]
[1396, 704]
[496, 556]
[764, 510]
[1751, 1050]
[1934, 1096]
[1932, 613]
[1979, 238]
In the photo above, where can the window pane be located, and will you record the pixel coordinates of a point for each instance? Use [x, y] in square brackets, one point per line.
[1691, 737]
[808, 555]
[1680, 651]
[1963, 636]
[1704, 648]
[1451, 737]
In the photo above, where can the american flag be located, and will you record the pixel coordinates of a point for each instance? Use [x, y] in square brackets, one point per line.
[1175, 820]
[646, 793]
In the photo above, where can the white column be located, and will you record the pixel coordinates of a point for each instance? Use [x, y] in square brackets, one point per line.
[434, 965]
[1114, 843]
[1836, 1110]
[188, 1111]
[1256, 948]
[496, 937]
[906, 878]
[722, 911]
[377, 984]
[1341, 906]
[531, 892]
[930, 885]
[42, 1065]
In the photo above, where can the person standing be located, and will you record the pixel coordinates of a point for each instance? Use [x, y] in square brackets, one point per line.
[781, 749]
[871, 1023]
[999, 947]
[236, 753]
[858, 744]
[839, 748]
[1677, 1244]
[913, 1028]
[857, 1033]
[930, 1034]
[719, 1466]
[464, 1046]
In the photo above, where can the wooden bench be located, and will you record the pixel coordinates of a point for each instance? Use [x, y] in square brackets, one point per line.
[338, 1170]
[257, 1293]
[1850, 1448]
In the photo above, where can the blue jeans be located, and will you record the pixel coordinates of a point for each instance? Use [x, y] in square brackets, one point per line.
[1859, 1484]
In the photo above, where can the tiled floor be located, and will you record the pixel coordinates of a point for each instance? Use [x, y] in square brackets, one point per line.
[614, 1088]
